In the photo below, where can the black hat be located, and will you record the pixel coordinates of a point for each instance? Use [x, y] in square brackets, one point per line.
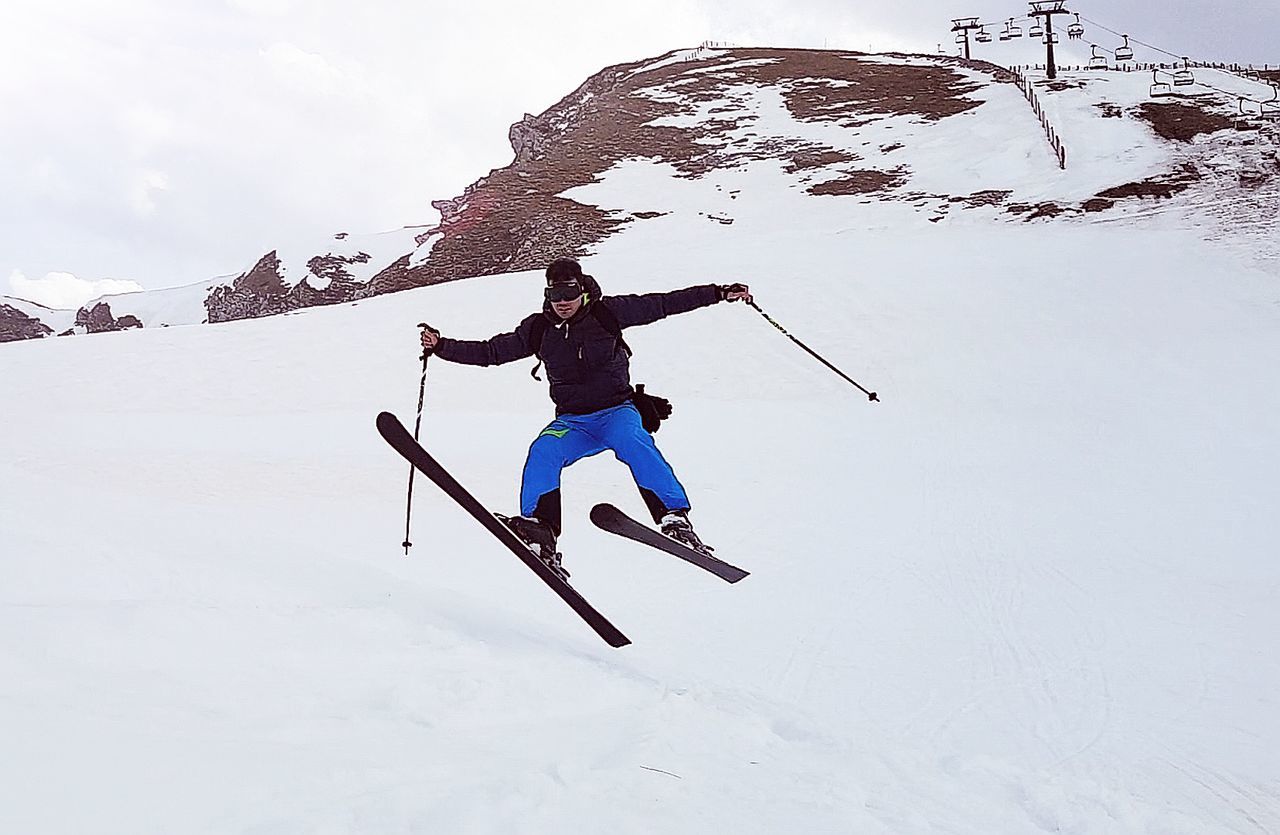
[564, 271]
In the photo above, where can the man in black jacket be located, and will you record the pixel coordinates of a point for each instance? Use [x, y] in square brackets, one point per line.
[578, 337]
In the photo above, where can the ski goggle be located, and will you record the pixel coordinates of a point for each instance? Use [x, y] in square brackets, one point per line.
[563, 292]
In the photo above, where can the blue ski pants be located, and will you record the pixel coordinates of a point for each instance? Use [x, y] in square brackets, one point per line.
[571, 438]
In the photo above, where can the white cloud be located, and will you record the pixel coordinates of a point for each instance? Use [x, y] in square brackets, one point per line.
[64, 291]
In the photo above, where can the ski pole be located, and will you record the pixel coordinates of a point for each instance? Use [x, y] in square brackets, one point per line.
[422, 391]
[871, 395]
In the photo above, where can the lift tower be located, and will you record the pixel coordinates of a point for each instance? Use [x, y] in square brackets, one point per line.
[962, 26]
[1047, 9]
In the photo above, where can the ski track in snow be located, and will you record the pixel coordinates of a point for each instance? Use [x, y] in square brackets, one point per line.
[1032, 590]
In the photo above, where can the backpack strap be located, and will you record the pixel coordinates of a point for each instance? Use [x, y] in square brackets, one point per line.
[540, 326]
[609, 321]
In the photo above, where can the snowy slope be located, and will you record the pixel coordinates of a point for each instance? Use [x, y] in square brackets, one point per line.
[161, 308]
[1033, 590]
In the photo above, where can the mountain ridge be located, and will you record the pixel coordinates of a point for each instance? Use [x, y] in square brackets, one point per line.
[679, 108]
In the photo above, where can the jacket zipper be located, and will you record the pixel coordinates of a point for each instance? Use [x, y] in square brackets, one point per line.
[566, 339]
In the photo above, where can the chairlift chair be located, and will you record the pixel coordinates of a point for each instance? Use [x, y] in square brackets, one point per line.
[1076, 30]
[1124, 53]
[1015, 31]
[1036, 30]
[1098, 61]
[1248, 119]
[1184, 77]
[1006, 35]
[1160, 89]
[983, 36]
[1051, 37]
[1250, 114]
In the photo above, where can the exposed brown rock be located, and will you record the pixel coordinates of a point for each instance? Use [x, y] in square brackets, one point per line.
[1157, 187]
[860, 182]
[15, 325]
[1181, 122]
[99, 319]
[263, 292]
[991, 197]
[1035, 211]
[817, 157]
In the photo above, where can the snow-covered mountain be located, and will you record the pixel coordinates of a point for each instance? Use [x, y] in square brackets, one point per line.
[1031, 590]
[943, 134]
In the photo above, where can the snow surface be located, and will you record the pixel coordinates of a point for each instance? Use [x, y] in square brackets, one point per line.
[1032, 590]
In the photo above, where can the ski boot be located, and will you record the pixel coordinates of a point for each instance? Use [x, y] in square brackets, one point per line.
[541, 540]
[677, 526]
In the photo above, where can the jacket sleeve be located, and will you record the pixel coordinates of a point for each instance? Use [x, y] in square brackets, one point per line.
[650, 307]
[505, 347]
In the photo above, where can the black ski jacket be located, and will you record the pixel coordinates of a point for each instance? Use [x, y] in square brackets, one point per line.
[587, 367]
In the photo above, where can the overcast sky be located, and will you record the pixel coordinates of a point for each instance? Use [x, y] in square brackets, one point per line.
[159, 142]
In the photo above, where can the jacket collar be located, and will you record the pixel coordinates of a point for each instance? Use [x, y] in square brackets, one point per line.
[554, 318]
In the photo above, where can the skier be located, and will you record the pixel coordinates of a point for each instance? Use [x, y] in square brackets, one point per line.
[578, 337]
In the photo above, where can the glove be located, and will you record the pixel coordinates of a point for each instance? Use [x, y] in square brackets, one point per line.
[733, 292]
[653, 409]
[430, 336]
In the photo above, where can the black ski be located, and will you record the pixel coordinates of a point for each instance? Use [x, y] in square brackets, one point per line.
[609, 518]
[394, 433]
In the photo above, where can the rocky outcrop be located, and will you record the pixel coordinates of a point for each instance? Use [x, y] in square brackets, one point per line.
[15, 325]
[98, 319]
[263, 290]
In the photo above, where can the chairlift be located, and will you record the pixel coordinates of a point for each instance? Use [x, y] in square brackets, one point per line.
[1124, 53]
[1098, 61]
[983, 36]
[1160, 89]
[1249, 114]
[1248, 119]
[1015, 31]
[1036, 30]
[1184, 77]
[1076, 30]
